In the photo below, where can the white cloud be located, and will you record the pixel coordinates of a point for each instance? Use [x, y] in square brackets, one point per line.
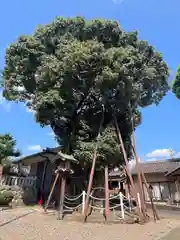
[34, 148]
[162, 153]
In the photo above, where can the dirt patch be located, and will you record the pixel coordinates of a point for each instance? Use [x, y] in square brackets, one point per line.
[10, 215]
[42, 226]
[172, 235]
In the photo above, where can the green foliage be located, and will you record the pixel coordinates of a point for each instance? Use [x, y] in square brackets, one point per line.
[7, 194]
[66, 70]
[176, 84]
[107, 151]
[5, 197]
[7, 148]
[7, 164]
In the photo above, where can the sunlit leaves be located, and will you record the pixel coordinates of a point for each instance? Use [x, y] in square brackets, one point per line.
[69, 68]
[176, 84]
[7, 147]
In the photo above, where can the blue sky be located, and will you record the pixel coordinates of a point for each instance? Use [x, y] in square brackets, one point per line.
[156, 21]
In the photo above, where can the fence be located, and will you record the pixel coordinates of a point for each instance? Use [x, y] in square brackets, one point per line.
[78, 202]
[19, 181]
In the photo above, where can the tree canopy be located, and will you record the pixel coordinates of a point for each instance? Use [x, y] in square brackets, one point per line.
[7, 147]
[70, 70]
[176, 84]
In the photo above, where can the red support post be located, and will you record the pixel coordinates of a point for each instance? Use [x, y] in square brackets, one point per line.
[90, 184]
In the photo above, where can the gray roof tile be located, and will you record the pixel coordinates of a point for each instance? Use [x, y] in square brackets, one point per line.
[161, 166]
[158, 166]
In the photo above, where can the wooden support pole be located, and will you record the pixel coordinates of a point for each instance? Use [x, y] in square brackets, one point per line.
[143, 208]
[93, 167]
[154, 210]
[51, 192]
[107, 211]
[139, 201]
[177, 190]
[90, 184]
[128, 168]
[61, 197]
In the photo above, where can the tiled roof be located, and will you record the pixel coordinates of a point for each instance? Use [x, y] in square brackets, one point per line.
[158, 166]
[175, 171]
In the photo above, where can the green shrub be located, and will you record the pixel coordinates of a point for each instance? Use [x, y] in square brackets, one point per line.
[8, 194]
[5, 198]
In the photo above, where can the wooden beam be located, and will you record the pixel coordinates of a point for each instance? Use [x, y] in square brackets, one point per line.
[51, 192]
[138, 173]
[61, 197]
[90, 184]
[128, 168]
[177, 189]
[154, 210]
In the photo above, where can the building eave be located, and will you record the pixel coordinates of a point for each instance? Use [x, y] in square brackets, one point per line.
[51, 154]
[173, 172]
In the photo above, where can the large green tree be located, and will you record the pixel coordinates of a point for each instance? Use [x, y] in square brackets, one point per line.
[7, 147]
[176, 84]
[71, 69]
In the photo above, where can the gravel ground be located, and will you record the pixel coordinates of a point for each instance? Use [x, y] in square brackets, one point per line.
[173, 235]
[41, 227]
[10, 215]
